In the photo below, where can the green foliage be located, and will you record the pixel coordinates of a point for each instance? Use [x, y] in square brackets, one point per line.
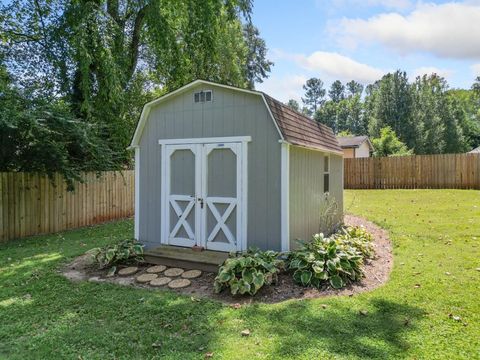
[358, 238]
[337, 91]
[249, 272]
[314, 94]
[293, 104]
[104, 59]
[42, 136]
[326, 260]
[388, 144]
[111, 255]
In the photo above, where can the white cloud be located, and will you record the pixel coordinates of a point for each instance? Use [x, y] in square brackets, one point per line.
[388, 4]
[447, 30]
[475, 69]
[285, 87]
[336, 66]
[446, 73]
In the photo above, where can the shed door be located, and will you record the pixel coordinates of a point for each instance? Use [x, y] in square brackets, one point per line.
[182, 167]
[221, 191]
[204, 186]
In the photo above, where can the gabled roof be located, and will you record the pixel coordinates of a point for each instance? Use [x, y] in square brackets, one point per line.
[475, 151]
[293, 127]
[353, 141]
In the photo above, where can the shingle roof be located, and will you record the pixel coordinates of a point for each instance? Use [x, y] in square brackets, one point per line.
[300, 130]
[352, 141]
[475, 151]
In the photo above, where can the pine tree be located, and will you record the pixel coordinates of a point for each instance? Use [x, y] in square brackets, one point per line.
[314, 95]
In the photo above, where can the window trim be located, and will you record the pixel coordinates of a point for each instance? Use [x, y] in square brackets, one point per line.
[202, 96]
[326, 161]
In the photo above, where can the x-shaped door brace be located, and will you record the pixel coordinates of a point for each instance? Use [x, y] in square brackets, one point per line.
[221, 219]
[182, 216]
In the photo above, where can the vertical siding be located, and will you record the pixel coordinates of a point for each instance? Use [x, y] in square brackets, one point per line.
[306, 190]
[232, 113]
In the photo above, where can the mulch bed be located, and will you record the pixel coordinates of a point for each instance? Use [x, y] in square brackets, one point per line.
[376, 274]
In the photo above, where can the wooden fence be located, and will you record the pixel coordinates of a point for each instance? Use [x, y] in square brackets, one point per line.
[31, 204]
[452, 171]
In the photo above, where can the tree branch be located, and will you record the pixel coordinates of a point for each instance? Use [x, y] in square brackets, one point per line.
[135, 44]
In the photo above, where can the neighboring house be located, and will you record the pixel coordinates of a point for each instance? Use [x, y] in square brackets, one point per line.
[475, 151]
[226, 169]
[355, 146]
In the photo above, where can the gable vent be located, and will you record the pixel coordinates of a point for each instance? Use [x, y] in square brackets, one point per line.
[202, 96]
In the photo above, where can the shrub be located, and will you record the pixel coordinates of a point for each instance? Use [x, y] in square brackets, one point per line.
[325, 260]
[249, 272]
[358, 238]
[111, 255]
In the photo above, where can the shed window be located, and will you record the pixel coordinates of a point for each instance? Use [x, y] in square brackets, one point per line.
[202, 96]
[326, 174]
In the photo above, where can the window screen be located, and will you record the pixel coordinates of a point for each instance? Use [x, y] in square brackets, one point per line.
[326, 174]
[203, 96]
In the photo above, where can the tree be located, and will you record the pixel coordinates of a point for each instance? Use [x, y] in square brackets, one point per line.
[257, 65]
[337, 91]
[103, 58]
[42, 136]
[293, 104]
[389, 103]
[388, 144]
[354, 88]
[314, 94]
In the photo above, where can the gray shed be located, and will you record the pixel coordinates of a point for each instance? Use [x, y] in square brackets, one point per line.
[224, 169]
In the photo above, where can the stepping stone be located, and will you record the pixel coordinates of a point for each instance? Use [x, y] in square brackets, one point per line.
[173, 272]
[191, 274]
[161, 281]
[128, 271]
[179, 283]
[145, 278]
[156, 269]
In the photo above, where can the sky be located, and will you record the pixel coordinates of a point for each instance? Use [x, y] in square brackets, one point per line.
[364, 39]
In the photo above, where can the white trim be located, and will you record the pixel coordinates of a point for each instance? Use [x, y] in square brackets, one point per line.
[316, 148]
[137, 194]
[243, 241]
[146, 108]
[225, 139]
[201, 148]
[272, 117]
[285, 196]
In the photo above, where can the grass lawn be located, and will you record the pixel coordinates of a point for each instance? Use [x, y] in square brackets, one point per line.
[436, 236]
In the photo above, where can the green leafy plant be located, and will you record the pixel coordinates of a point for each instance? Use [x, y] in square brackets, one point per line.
[248, 272]
[325, 260]
[358, 238]
[111, 255]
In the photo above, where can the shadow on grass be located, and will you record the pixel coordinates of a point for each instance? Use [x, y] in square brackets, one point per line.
[306, 327]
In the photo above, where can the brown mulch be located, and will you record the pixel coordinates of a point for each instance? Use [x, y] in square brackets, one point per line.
[376, 274]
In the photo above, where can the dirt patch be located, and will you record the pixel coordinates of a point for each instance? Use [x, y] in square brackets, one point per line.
[376, 274]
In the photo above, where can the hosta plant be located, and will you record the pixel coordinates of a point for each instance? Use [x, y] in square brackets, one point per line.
[249, 272]
[325, 261]
[358, 238]
[111, 255]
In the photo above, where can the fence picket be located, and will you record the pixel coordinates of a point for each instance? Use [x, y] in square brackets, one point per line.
[31, 204]
[456, 171]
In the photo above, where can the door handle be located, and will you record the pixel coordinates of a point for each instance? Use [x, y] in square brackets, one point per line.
[201, 202]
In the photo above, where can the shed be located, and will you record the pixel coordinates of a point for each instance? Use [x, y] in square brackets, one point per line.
[225, 169]
[355, 146]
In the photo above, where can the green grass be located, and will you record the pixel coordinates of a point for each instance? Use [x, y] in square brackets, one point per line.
[42, 315]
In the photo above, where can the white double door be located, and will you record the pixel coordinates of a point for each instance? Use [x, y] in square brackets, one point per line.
[203, 200]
